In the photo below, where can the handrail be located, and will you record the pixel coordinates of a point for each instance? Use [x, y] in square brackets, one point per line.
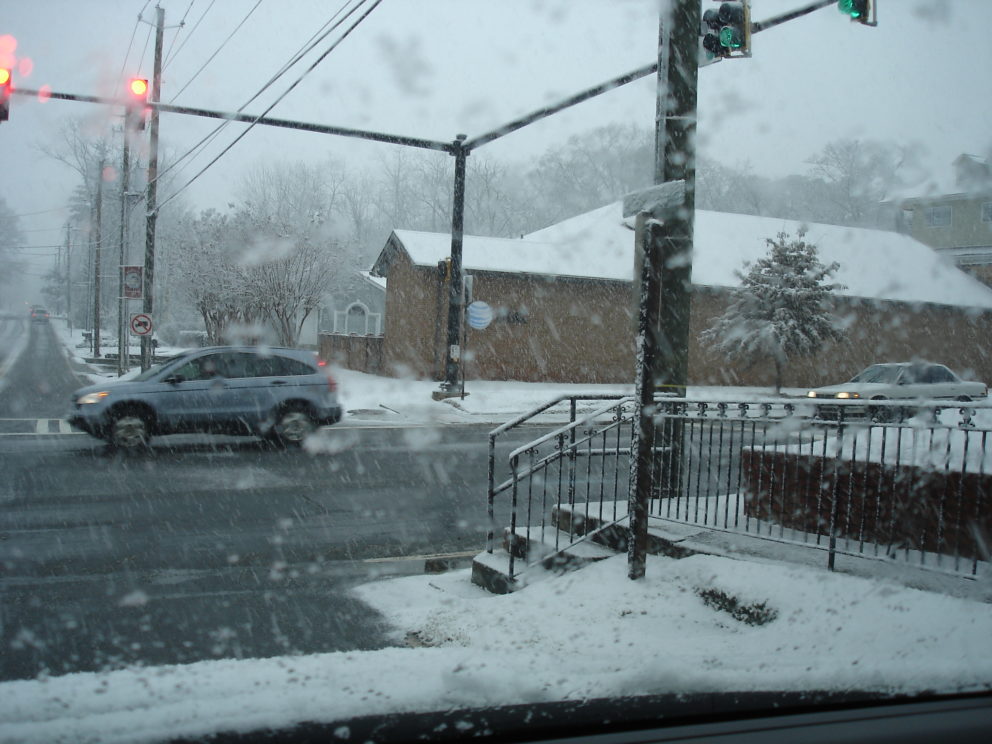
[514, 423]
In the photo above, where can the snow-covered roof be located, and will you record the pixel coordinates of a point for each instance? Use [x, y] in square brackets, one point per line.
[874, 264]
[377, 281]
[966, 176]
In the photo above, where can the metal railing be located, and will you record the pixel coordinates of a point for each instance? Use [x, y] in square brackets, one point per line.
[912, 484]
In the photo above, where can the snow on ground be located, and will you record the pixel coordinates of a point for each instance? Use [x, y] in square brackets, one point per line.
[586, 634]
[591, 633]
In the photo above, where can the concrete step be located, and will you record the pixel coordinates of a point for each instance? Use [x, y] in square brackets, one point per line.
[672, 540]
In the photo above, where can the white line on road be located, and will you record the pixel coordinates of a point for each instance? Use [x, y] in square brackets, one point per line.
[426, 557]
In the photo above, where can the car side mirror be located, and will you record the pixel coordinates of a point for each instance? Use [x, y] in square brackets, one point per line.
[175, 379]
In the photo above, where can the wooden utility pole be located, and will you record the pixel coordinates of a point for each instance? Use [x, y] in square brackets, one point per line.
[97, 250]
[150, 201]
[68, 279]
[122, 320]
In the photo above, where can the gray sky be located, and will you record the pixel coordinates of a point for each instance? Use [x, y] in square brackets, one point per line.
[434, 68]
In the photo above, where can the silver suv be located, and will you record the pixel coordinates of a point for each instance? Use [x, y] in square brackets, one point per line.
[280, 394]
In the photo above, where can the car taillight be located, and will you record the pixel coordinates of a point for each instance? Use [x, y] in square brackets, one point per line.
[332, 384]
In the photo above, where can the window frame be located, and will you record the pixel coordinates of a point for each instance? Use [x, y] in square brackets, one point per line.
[930, 215]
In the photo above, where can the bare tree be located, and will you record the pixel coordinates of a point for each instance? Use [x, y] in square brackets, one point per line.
[859, 174]
[11, 241]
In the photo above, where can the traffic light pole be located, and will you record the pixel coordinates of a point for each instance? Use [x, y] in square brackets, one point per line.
[151, 209]
[665, 275]
[451, 384]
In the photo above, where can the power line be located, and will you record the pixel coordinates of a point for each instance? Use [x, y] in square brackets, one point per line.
[145, 50]
[189, 36]
[303, 51]
[307, 47]
[43, 211]
[310, 69]
[130, 44]
[179, 30]
[211, 57]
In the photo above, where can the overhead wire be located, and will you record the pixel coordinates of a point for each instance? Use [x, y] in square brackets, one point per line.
[375, 4]
[189, 36]
[302, 52]
[211, 57]
[307, 47]
[43, 211]
[130, 44]
[179, 30]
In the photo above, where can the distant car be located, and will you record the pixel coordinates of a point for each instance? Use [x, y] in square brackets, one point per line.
[39, 314]
[280, 394]
[899, 381]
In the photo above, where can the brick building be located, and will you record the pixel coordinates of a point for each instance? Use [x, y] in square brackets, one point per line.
[563, 300]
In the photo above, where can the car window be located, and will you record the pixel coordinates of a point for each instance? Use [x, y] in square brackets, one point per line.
[202, 368]
[234, 365]
[278, 366]
[879, 373]
[940, 374]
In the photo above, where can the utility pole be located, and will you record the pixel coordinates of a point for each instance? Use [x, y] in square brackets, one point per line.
[68, 279]
[96, 260]
[676, 139]
[665, 273]
[122, 337]
[150, 201]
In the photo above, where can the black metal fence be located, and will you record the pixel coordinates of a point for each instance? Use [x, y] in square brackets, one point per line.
[896, 483]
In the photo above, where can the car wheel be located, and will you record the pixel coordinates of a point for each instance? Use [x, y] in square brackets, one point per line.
[129, 430]
[293, 425]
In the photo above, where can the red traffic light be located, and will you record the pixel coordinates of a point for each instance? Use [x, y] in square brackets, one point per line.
[138, 87]
[5, 86]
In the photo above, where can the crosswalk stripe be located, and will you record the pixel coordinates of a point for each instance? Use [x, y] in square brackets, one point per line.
[35, 427]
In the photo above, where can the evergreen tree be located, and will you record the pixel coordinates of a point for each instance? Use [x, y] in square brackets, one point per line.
[782, 310]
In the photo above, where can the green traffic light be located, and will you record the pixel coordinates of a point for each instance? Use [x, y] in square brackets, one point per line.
[731, 37]
[851, 8]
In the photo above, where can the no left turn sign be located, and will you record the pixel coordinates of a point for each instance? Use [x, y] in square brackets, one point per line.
[141, 324]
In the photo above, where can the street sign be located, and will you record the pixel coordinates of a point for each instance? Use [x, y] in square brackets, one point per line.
[132, 282]
[480, 315]
[141, 324]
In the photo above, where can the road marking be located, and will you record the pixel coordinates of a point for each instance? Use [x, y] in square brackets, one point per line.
[426, 557]
[36, 427]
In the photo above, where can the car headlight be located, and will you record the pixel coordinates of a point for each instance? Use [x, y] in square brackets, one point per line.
[92, 397]
[811, 394]
[848, 395]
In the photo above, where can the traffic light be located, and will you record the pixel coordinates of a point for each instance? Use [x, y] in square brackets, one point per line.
[137, 100]
[858, 10]
[5, 85]
[726, 31]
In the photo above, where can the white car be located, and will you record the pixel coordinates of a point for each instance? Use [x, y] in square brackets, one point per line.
[901, 381]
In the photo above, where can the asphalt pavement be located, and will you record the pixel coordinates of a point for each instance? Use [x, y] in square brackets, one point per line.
[208, 547]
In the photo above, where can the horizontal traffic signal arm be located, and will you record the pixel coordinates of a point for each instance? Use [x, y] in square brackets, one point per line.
[394, 139]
